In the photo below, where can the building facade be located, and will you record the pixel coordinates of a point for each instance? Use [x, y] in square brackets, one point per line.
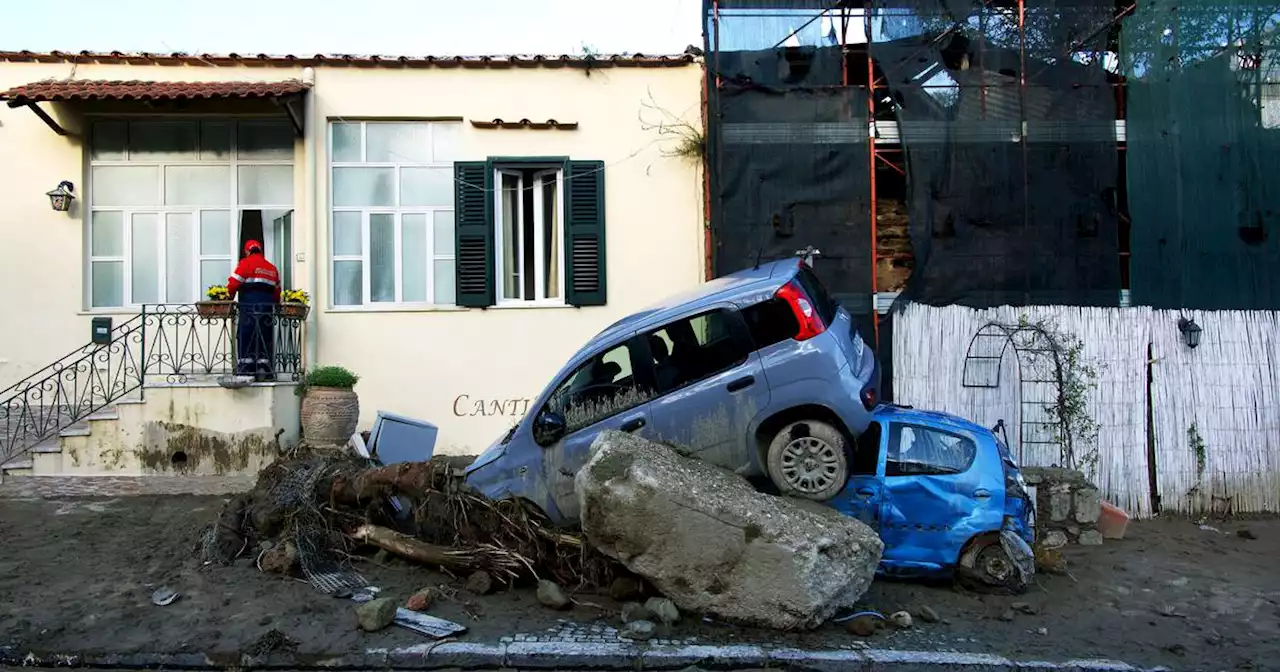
[462, 225]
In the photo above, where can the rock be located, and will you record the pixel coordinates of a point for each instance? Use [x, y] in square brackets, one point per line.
[551, 595]
[1073, 530]
[706, 539]
[1042, 631]
[927, 614]
[626, 588]
[1025, 608]
[1051, 560]
[1090, 538]
[376, 615]
[1246, 534]
[480, 583]
[1059, 502]
[1006, 615]
[665, 610]
[634, 611]
[864, 626]
[1180, 582]
[421, 600]
[279, 559]
[1054, 539]
[900, 620]
[638, 630]
[1088, 505]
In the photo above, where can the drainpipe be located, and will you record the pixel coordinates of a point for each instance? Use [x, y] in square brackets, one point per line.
[312, 199]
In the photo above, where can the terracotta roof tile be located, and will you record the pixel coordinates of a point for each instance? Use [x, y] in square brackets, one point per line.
[360, 60]
[88, 89]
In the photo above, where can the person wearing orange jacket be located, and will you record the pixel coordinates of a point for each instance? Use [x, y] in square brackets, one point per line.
[257, 282]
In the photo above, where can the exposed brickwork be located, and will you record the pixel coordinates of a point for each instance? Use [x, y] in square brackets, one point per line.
[89, 89]
[66, 487]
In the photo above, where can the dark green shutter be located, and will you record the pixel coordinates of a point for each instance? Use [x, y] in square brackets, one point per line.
[473, 244]
[585, 214]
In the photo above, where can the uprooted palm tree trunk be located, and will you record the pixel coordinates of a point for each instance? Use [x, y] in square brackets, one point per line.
[332, 505]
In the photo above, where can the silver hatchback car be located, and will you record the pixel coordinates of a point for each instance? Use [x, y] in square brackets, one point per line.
[760, 372]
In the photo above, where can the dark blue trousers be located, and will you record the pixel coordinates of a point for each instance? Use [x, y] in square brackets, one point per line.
[256, 334]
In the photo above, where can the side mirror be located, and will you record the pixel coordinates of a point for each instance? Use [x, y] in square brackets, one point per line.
[548, 427]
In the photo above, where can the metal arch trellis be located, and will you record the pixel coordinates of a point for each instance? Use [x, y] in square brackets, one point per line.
[1040, 382]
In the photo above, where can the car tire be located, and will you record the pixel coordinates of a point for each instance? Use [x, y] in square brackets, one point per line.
[809, 459]
[987, 567]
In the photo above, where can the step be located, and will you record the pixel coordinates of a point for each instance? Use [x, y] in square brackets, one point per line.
[108, 413]
[49, 445]
[24, 461]
[7, 473]
[78, 429]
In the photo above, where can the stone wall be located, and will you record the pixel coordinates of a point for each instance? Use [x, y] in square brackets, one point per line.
[1067, 507]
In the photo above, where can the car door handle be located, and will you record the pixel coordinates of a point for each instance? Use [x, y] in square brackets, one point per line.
[866, 492]
[982, 493]
[633, 424]
[742, 383]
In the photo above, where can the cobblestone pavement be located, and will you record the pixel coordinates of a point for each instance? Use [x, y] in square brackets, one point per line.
[68, 487]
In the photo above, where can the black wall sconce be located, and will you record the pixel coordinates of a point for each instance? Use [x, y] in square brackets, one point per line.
[61, 197]
[1190, 331]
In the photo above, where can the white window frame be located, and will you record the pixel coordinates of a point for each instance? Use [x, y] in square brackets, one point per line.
[539, 235]
[162, 212]
[398, 212]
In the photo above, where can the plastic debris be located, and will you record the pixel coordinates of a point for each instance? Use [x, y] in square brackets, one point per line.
[164, 596]
[427, 625]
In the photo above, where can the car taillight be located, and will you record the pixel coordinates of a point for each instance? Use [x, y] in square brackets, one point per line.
[869, 398]
[810, 324]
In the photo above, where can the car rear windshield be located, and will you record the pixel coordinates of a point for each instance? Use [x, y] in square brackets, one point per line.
[818, 294]
[770, 321]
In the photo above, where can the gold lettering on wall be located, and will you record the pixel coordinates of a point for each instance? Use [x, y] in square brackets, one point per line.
[466, 406]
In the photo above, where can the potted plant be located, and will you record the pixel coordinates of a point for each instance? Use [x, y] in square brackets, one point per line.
[217, 302]
[330, 407]
[295, 304]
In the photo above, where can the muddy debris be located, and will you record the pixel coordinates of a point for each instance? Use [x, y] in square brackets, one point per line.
[865, 625]
[663, 609]
[552, 595]
[421, 600]
[900, 620]
[927, 614]
[639, 631]
[279, 558]
[480, 583]
[1025, 608]
[271, 641]
[634, 611]
[1246, 533]
[625, 588]
[375, 615]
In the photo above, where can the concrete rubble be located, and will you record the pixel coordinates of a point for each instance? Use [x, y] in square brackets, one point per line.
[1068, 506]
[706, 539]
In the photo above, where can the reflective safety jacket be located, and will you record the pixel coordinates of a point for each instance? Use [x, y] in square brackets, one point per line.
[254, 274]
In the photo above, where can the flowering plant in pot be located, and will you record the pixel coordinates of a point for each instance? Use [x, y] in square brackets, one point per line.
[330, 407]
[295, 304]
[217, 302]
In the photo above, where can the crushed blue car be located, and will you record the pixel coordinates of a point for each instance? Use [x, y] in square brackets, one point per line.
[946, 497]
[761, 372]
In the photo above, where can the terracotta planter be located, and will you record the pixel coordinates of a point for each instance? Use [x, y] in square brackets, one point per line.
[214, 308]
[329, 415]
[295, 311]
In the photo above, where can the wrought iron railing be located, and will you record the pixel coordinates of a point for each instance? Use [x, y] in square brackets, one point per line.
[170, 343]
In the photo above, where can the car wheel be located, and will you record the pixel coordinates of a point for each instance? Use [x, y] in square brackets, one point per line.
[809, 459]
[987, 567]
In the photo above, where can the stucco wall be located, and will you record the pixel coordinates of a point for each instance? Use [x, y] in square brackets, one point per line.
[471, 372]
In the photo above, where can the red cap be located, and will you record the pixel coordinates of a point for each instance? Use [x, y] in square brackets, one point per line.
[252, 245]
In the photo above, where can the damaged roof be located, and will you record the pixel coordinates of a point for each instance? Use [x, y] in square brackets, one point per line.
[88, 89]
[360, 60]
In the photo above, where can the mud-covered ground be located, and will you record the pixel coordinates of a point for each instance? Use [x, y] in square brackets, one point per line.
[77, 576]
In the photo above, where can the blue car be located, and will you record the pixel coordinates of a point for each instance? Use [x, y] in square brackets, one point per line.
[946, 497]
[760, 372]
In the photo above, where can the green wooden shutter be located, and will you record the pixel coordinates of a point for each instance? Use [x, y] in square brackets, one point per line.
[584, 209]
[473, 237]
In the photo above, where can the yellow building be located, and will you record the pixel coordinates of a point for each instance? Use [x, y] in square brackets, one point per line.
[462, 225]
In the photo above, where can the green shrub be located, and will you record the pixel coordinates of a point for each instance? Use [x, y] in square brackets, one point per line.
[329, 376]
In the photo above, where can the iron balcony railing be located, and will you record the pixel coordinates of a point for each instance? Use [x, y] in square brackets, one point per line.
[170, 343]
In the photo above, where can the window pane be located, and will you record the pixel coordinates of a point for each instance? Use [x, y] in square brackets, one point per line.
[215, 141]
[696, 348]
[107, 281]
[398, 143]
[347, 240]
[213, 272]
[918, 450]
[215, 232]
[197, 185]
[598, 390]
[108, 235]
[445, 281]
[145, 248]
[163, 140]
[179, 258]
[511, 237]
[445, 141]
[443, 234]
[346, 143]
[264, 140]
[413, 257]
[426, 186]
[110, 140]
[551, 236]
[125, 185]
[348, 283]
[266, 185]
[364, 186]
[382, 258]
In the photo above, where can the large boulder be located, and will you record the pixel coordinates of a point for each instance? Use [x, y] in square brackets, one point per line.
[710, 542]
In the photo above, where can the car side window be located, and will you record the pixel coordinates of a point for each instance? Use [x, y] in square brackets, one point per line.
[770, 321]
[694, 348]
[924, 451]
[602, 387]
[866, 454]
